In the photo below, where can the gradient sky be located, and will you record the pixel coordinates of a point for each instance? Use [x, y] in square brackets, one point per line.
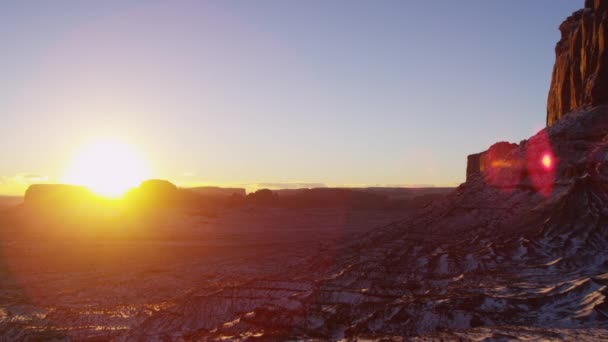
[244, 92]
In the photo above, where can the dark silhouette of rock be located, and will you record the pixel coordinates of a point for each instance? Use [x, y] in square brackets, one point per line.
[162, 194]
[351, 198]
[263, 197]
[159, 186]
[216, 191]
[580, 74]
[217, 196]
[391, 193]
[56, 195]
[154, 192]
[63, 208]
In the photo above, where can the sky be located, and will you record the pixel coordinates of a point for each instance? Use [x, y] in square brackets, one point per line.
[273, 93]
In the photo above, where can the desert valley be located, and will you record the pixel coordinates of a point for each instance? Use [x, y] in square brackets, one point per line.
[518, 252]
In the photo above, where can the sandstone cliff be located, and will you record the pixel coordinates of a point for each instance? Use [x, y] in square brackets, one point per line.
[579, 84]
[580, 74]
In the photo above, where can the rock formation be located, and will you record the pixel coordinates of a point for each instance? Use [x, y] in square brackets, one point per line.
[54, 195]
[263, 197]
[580, 74]
[216, 191]
[498, 156]
[579, 83]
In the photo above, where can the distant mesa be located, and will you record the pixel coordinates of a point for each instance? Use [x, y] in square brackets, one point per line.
[154, 188]
[153, 192]
[157, 194]
[263, 197]
[217, 191]
[53, 195]
[65, 196]
[580, 74]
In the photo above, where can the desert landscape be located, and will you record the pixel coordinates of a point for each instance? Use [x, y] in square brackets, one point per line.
[56, 284]
[516, 252]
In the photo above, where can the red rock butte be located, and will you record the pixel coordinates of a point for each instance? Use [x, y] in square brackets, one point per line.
[579, 83]
[580, 74]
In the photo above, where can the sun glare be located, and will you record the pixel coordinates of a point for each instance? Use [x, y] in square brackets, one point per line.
[547, 161]
[108, 167]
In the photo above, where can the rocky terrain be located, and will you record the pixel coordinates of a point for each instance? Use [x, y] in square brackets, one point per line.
[523, 258]
[517, 252]
[70, 286]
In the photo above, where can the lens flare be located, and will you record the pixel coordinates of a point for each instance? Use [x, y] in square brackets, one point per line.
[547, 161]
[541, 163]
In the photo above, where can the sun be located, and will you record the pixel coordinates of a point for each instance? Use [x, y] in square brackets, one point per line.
[109, 167]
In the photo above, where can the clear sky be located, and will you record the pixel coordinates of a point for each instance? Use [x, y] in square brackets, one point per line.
[246, 92]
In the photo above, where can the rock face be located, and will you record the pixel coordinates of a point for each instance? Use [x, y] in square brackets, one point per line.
[497, 157]
[580, 74]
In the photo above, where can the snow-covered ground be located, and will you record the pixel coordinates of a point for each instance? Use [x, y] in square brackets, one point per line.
[77, 288]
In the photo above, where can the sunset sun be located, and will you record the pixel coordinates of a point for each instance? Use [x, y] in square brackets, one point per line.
[109, 167]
